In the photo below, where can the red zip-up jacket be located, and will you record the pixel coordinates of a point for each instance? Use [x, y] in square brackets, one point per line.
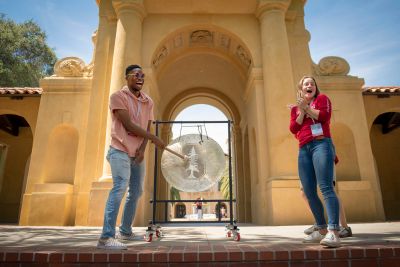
[303, 131]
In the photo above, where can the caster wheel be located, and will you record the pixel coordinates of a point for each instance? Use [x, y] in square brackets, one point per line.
[148, 238]
[158, 233]
[236, 237]
[229, 234]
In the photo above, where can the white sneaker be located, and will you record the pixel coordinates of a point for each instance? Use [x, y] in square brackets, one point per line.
[314, 237]
[125, 237]
[331, 241]
[311, 229]
[111, 243]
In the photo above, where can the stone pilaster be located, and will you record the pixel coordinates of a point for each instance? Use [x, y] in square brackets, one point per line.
[97, 117]
[278, 83]
[127, 51]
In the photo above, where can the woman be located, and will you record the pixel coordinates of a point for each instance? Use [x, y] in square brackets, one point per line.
[310, 120]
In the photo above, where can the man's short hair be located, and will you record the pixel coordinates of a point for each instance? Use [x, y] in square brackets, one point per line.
[131, 67]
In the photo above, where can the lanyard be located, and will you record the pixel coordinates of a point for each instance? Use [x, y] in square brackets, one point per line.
[139, 108]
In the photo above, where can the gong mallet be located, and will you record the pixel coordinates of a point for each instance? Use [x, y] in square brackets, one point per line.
[184, 157]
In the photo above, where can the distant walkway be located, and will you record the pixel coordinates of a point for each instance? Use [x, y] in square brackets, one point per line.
[377, 244]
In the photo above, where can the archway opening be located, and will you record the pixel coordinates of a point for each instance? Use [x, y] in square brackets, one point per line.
[16, 140]
[204, 64]
[385, 136]
[219, 187]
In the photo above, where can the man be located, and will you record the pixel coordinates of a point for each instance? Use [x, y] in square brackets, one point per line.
[131, 113]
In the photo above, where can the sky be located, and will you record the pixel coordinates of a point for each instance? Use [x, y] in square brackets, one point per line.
[366, 33]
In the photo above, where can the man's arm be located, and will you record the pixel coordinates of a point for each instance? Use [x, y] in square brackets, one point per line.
[144, 143]
[123, 116]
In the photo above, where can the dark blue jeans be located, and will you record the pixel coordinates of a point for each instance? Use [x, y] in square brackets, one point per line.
[316, 162]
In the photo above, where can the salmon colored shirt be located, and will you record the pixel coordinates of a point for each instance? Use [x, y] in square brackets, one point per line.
[141, 112]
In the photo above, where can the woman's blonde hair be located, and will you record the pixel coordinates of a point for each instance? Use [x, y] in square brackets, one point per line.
[300, 85]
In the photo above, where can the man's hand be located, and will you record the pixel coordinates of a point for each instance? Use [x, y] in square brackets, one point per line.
[158, 142]
[139, 155]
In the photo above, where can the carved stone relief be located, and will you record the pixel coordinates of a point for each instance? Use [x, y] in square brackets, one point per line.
[160, 56]
[69, 67]
[225, 41]
[207, 38]
[332, 66]
[178, 41]
[243, 56]
[201, 37]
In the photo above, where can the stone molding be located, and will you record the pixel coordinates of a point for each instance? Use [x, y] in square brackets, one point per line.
[265, 6]
[129, 6]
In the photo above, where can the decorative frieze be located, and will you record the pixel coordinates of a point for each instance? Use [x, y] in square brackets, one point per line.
[160, 56]
[243, 56]
[225, 41]
[201, 37]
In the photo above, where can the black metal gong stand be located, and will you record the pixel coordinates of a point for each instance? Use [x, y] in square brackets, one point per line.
[154, 227]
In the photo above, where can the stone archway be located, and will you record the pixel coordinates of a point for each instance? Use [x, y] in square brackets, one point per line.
[205, 64]
[16, 140]
[385, 147]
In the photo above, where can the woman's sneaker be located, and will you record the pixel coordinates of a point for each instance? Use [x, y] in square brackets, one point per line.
[314, 237]
[345, 232]
[111, 243]
[311, 229]
[331, 241]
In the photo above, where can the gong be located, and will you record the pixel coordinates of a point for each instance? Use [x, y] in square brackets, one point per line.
[202, 167]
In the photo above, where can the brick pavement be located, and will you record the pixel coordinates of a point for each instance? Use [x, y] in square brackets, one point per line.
[373, 244]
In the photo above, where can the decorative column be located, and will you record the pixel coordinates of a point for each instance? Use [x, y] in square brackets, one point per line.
[95, 132]
[127, 51]
[278, 86]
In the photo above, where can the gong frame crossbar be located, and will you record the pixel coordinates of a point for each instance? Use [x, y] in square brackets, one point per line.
[154, 201]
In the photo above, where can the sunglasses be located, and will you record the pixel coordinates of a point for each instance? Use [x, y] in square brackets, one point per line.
[137, 75]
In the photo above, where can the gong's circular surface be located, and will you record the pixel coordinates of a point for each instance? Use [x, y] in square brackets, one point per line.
[203, 167]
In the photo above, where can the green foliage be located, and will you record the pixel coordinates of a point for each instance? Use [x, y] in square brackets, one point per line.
[25, 57]
[223, 185]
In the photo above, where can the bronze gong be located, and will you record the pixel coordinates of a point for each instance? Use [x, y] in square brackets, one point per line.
[202, 168]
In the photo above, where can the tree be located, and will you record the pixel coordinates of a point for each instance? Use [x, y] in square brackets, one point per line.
[25, 57]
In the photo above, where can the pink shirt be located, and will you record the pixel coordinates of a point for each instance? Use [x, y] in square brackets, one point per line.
[141, 112]
[303, 131]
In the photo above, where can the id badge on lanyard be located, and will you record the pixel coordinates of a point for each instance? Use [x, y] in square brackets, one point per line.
[316, 129]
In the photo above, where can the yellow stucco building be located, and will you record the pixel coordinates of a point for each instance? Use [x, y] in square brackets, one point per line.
[242, 56]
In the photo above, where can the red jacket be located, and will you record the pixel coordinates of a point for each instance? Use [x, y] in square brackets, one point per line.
[303, 131]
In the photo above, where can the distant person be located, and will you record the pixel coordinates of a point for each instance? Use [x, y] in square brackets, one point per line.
[310, 122]
[131, 114]
[199, 208]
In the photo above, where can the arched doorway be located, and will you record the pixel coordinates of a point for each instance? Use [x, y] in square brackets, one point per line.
[180, 210]
[385, 136]
[16, 140]
[217, 132]
[205, 65]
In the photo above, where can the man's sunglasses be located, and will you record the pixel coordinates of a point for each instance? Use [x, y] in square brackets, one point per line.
[138, 75]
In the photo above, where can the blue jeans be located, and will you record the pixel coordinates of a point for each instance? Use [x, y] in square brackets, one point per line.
[125, 174]
[316, 162]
